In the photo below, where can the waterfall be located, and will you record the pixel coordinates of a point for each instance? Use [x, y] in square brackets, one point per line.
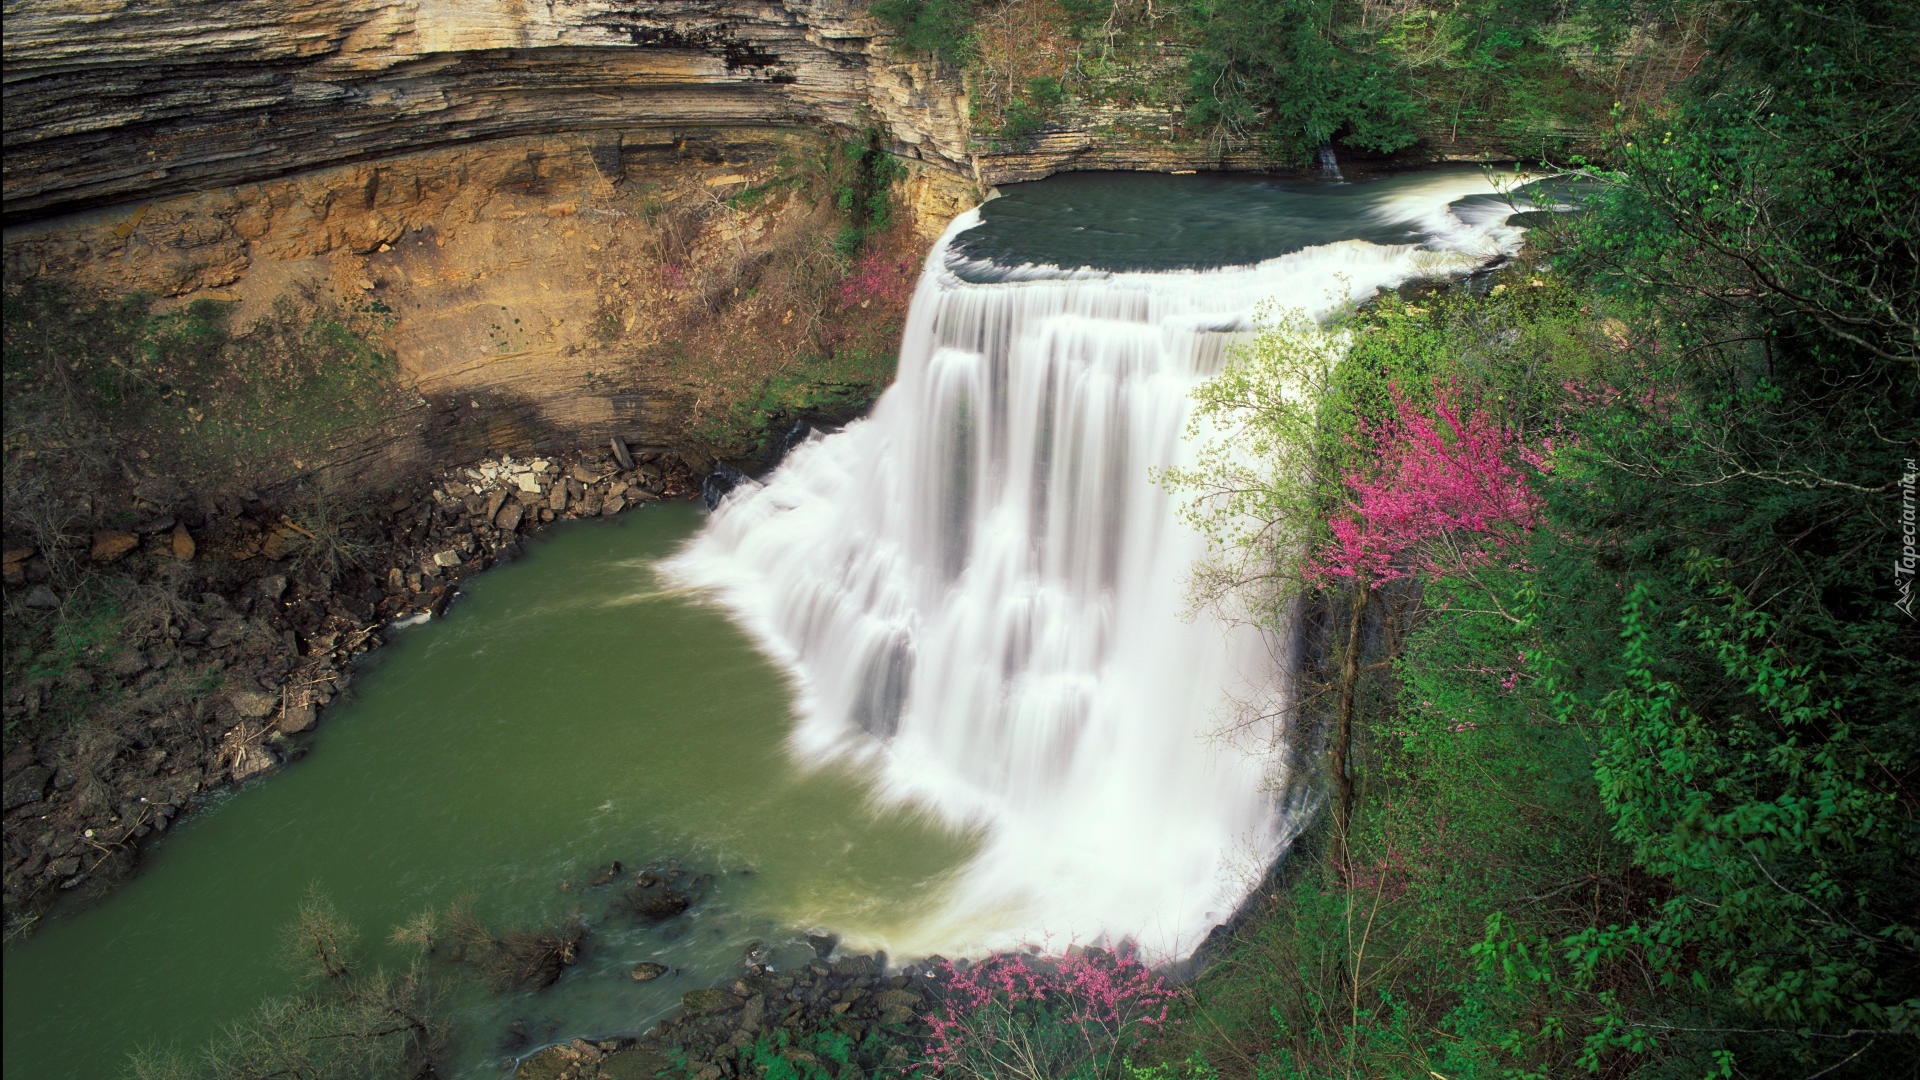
[1329, 165]
[981, 594]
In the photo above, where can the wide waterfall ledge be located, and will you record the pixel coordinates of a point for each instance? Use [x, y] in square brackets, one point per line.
[981, 594]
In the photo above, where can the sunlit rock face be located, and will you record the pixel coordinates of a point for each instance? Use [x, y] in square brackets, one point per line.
[112, 102]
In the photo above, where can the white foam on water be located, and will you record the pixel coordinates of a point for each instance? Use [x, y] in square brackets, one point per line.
[980, 594]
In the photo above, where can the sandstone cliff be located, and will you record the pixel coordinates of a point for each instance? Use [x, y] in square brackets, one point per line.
[541, 193]
[109, 101]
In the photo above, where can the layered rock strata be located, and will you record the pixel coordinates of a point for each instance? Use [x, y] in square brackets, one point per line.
[111, 102]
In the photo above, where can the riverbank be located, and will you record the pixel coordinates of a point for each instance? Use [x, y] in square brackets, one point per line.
[198, 648]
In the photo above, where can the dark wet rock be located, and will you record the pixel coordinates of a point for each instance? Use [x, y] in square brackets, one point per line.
[859, 965]
[657, 902]
[26, 786]
[719, 483]
[647, 971]
[509, 518]
[41, 598]
[708, 1001]
[756, 955]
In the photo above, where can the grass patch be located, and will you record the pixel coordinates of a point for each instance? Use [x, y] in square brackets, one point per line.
[185, 393]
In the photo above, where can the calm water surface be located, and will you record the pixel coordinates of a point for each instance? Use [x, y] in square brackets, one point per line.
[566, 712]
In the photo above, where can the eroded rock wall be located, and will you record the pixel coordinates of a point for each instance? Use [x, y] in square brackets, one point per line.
[110, 101]
[491, 173]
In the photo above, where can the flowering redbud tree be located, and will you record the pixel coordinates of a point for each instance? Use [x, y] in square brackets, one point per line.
[1443, 494]
[1017, 1017]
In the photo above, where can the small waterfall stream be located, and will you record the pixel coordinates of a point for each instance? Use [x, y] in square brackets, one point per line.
[981, 594]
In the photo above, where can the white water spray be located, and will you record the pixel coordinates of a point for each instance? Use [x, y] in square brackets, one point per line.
[979, 591]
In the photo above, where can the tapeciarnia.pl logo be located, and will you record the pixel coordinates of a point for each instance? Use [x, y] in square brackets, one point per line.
[1903, 567]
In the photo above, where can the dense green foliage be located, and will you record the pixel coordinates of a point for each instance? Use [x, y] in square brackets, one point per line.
[937, 27]
[1643, 802]
[1281, 72]
[1286, 77]
[864, 191]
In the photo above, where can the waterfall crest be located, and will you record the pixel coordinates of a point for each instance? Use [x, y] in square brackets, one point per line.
[981, 594]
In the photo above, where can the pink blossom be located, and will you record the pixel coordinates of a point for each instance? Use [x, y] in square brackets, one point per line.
[877, 278]
[1441, 494]
[1102, 999]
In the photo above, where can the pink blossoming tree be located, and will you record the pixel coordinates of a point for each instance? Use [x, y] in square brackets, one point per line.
[1443, 494]
[1014, 1017]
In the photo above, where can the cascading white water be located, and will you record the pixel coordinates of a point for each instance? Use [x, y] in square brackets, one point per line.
[981, 593]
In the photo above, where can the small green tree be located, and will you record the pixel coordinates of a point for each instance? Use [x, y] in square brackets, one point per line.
[352, 1024]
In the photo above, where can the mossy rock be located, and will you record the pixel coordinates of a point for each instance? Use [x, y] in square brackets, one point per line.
[704, 1002]
[635, 1065]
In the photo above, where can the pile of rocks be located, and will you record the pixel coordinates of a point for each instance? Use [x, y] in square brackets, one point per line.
[850, 996]
[478, 512]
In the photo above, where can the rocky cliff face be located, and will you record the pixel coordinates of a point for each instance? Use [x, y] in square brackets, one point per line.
[541, 192]
[110, 101]
[552, 198]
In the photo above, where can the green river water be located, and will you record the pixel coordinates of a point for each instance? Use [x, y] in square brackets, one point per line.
[566, 712]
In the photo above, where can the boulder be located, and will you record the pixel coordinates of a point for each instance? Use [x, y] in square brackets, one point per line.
[253, 704]
[298, 718]
[508, 519]
[620, 453]
[564, 1062]
[110, 545]
[707, 1002]
[858, 965]
[183, 546]
[15, 560]
[41, 598]
[446, 559]
[897, 1006]
[27, 786]
[657, 903]
[283, 541]
[645, 971]
[636, 1064]
[250, 761]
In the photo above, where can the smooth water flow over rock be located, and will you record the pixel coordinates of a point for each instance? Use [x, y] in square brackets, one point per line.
[981, 591]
